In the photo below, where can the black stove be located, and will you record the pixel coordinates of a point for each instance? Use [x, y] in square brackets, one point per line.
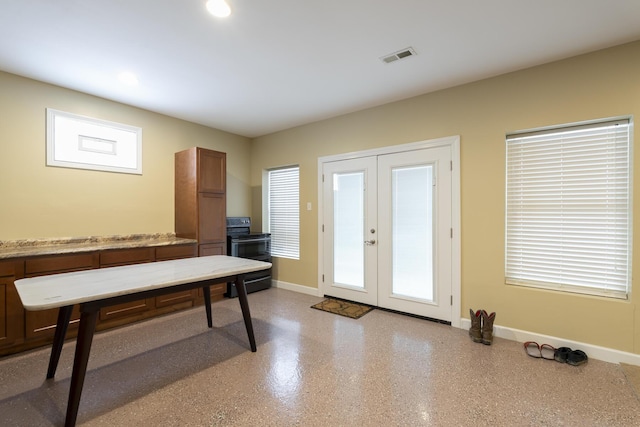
[243, 243]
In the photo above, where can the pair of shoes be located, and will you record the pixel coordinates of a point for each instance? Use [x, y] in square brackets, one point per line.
[481, 326]
[561, 354]
[571, 357]
[544, 351]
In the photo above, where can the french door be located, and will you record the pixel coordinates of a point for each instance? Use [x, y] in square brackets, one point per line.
[387, 225]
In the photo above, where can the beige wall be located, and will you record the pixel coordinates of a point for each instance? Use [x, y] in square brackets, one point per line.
[39, 201]
[597, 85]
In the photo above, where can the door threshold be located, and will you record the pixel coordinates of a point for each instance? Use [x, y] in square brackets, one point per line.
[389, 310]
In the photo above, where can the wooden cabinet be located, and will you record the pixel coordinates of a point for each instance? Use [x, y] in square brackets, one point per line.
[200, 199]
[41, 325]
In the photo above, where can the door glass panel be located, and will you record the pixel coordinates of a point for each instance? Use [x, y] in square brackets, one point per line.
[412, 223]
[348, 226]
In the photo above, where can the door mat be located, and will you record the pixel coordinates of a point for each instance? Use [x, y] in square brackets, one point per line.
[343, 308]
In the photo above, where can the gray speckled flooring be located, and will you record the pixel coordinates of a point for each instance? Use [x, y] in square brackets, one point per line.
[311, 369]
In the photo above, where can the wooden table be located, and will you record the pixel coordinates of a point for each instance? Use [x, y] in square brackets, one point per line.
[95, 289]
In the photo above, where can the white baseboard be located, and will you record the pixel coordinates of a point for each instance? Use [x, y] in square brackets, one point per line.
[593, 351]
[296, 288]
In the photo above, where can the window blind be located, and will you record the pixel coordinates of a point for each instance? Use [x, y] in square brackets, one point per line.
[568, 211]
[284, 212]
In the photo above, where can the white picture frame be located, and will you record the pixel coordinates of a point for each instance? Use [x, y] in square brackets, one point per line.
[80, 142]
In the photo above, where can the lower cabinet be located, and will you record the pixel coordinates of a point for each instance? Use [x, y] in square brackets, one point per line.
[21, 329]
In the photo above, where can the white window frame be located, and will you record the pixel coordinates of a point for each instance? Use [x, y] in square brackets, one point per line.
[568, 221]
[282, 217]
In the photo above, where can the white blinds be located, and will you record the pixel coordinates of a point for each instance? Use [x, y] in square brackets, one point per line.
[284, 212]
[568, 213]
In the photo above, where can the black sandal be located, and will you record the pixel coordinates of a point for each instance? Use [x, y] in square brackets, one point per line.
[577, 358]
[561, 354]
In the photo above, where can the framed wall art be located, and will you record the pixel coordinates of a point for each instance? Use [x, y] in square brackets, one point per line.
[81, 142]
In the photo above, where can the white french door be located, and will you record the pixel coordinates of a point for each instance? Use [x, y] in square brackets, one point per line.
[387, 222]
[350, 207]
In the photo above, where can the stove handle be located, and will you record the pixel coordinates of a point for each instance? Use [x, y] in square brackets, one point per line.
[262, 239]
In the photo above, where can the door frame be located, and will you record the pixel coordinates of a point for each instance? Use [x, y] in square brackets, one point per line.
[453, 142]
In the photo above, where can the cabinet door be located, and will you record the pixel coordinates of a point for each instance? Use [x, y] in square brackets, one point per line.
[212, 224]
[212, 175]
[11, 312]
[117, 257]
[42, 324]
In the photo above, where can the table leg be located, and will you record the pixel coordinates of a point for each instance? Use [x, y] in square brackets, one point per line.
[83, 347]
[64, 315]
[244, 305]
[206, 291]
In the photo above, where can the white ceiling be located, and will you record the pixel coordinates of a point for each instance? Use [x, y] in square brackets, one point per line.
[276, 64]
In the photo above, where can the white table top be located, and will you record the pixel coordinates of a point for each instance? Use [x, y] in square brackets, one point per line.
[58, 290]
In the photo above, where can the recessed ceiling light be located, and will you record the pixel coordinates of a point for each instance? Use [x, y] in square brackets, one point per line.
[128, 78]
[218, 8]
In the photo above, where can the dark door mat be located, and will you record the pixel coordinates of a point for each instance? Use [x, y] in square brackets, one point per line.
[343, 308]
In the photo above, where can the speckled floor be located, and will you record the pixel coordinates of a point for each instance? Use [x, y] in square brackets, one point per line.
[312, 368]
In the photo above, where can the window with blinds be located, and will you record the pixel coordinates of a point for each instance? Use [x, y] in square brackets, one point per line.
[568, 209]
[283, 211]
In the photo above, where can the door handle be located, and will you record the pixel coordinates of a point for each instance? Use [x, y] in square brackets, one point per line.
[370, 242]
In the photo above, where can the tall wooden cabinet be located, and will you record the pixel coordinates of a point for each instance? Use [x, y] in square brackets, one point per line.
[200, 199]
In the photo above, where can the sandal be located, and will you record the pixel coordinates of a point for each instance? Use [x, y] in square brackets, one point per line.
[577, 358]
[533, 349]
[561, 354]
[547, 352]
[544, 351]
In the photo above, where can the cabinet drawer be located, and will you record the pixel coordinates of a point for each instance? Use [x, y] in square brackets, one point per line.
[213, 249]
[60, 264]
[126, 309]
[7, 268]
[175, 252]
[176, 298]
[42, 324]
[217, 291]
[117, 257]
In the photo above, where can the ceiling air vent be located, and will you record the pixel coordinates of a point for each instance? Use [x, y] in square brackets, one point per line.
[401, 54]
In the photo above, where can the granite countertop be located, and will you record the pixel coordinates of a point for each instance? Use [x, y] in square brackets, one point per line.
[53, 246]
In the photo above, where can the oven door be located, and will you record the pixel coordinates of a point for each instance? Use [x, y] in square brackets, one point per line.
[250, 247]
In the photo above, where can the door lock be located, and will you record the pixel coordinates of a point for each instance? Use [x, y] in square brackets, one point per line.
[370, 242]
